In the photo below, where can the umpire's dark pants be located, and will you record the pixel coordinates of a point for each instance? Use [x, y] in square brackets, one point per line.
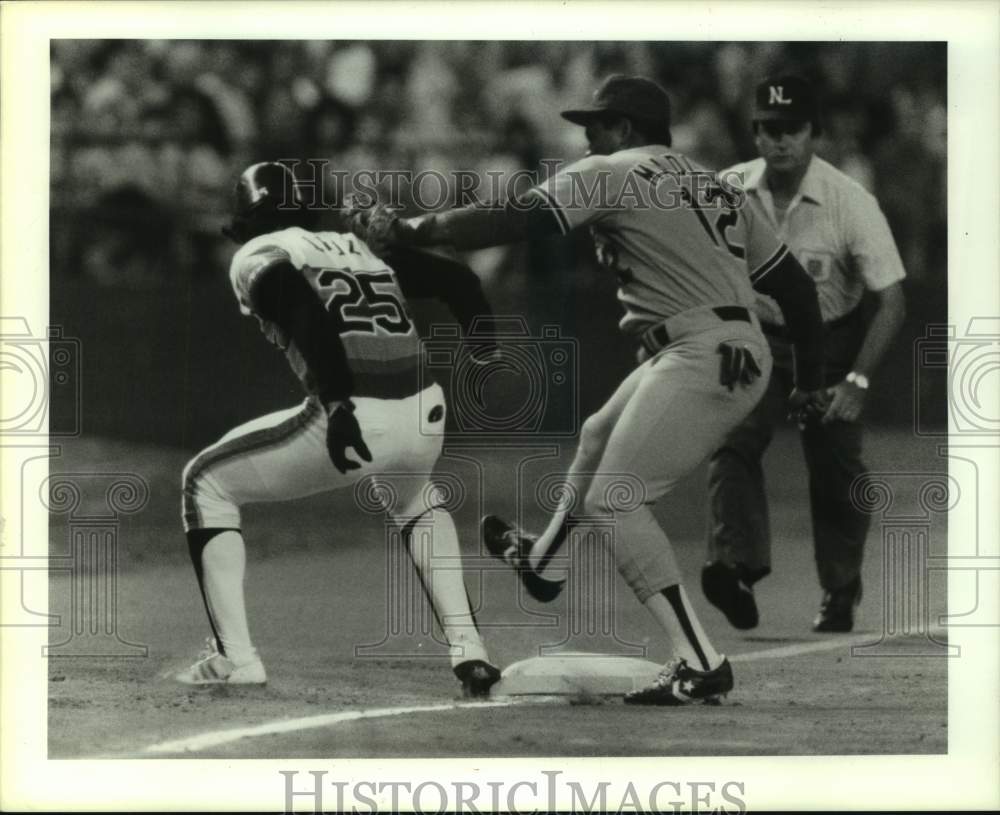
[740, 525]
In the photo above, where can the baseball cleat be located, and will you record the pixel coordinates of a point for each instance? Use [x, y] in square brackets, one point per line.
[477, 677]
[679, 684]
[836, 614]
[510, 544]
[213, 668]
[724, 587]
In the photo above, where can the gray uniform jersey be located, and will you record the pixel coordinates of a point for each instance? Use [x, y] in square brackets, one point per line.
[674, 235]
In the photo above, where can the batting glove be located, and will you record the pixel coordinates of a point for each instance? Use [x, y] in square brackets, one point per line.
[343, 431]
[738, 367]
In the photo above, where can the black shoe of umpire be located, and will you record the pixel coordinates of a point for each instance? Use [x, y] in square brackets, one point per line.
[725, 587]
[511, 545]
[836, 614]
[477, 677]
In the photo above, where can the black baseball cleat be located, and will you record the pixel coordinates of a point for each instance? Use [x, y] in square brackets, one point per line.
[725, 588]
[477, 677]
[836, 613]
[679, 684]
[510, 544]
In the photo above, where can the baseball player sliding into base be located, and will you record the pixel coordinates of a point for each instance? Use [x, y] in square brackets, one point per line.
[339, 314]
[686, 259]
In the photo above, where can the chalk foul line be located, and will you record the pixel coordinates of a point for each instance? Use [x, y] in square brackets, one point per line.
[217, 738]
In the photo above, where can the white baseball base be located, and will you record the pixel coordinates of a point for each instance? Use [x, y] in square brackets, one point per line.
[575, 673]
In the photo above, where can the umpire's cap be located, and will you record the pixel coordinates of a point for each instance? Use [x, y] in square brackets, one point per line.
[267, 198]
[786, 98]
[635, 97]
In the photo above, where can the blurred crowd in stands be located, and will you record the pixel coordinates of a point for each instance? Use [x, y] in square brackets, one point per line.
[148, 136]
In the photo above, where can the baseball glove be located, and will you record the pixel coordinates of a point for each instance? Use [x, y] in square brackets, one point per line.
[374, 223]
[806, 408]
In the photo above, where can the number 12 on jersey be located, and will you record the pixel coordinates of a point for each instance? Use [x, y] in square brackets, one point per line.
[717, 229]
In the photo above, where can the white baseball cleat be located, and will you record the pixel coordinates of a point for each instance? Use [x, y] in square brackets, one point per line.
[214, 668]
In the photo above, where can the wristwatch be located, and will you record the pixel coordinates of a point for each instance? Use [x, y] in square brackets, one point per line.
[858, 380]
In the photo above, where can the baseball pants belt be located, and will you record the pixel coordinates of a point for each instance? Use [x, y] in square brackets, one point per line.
[679, 325]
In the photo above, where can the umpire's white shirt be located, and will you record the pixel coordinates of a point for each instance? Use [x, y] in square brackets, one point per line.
[835, 229]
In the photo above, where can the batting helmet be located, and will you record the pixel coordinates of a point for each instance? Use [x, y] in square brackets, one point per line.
[267, 198]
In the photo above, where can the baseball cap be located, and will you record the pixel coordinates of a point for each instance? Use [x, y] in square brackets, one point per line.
[633, 96]
[786, 98]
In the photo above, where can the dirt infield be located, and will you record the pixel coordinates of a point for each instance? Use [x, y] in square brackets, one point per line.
[319, 605]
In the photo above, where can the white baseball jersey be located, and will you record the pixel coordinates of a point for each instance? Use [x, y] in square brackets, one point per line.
[674, 236]
[835, 229]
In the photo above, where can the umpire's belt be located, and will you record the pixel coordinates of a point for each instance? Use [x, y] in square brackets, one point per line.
[691, 321]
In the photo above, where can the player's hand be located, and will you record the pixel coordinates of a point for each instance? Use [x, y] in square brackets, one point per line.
[807, 407]
[343, 431]
[738, 366]
[846, 401]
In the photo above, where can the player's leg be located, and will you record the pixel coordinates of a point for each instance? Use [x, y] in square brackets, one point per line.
[594, 435]
[276, 457]
[739, 534]
[532, 556]
[740, 529]
[833, 458]
[678, 414]
[431, 538]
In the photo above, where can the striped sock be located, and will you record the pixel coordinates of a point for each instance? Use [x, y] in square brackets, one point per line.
[432, 542]
[672, 610]
[223, 564]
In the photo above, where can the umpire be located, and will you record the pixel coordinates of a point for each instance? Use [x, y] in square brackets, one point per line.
[840, 236]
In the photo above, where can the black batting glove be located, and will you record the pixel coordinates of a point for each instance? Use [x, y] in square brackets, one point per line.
[738, 366]
[343, 431]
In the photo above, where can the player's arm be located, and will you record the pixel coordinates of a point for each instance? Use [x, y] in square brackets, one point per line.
[775, 272]
[425, 274]
[784, 279]
[475, 227]
[280, 294]
[551, 208]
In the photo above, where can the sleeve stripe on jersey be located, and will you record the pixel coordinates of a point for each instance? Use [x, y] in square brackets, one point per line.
[768, 265]
[556, 210]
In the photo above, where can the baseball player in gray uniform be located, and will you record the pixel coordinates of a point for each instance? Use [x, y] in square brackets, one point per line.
[686, 259]
[840, 236]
